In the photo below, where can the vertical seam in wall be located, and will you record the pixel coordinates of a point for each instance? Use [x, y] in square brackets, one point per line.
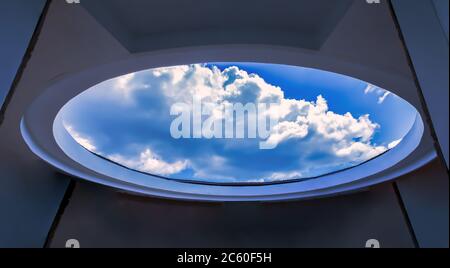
[62, 207]
[423, 103]
[25, 60]
[435, 8]
[405, 214]
[427, 119]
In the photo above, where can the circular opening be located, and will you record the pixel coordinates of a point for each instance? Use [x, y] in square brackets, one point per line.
[235, 123]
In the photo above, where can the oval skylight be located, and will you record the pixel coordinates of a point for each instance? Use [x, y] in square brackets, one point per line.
[237, 122]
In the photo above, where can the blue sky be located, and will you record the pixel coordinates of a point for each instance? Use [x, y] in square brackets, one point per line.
[127, 120]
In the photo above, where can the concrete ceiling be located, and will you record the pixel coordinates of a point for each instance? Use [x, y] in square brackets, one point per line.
[144, 25]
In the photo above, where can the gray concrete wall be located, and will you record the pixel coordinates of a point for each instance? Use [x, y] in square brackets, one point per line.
[18, 20]
[30, 191]
[441, 7]
[427, 44]
[425, 195]
[424, 26]
[101, 217]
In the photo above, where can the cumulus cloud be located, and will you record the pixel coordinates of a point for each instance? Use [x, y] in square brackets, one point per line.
[297, 118]
[310, 139]
[150, 162]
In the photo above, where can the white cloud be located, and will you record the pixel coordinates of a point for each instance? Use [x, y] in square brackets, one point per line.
[349, 138]
[358, 151]
[286, 130]
[279, 176]
[80, 139]
[394, 143]
[382, 98]
[150, 162]
[381, 93]
[296, 117]
[369, 89]
[124, 86]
